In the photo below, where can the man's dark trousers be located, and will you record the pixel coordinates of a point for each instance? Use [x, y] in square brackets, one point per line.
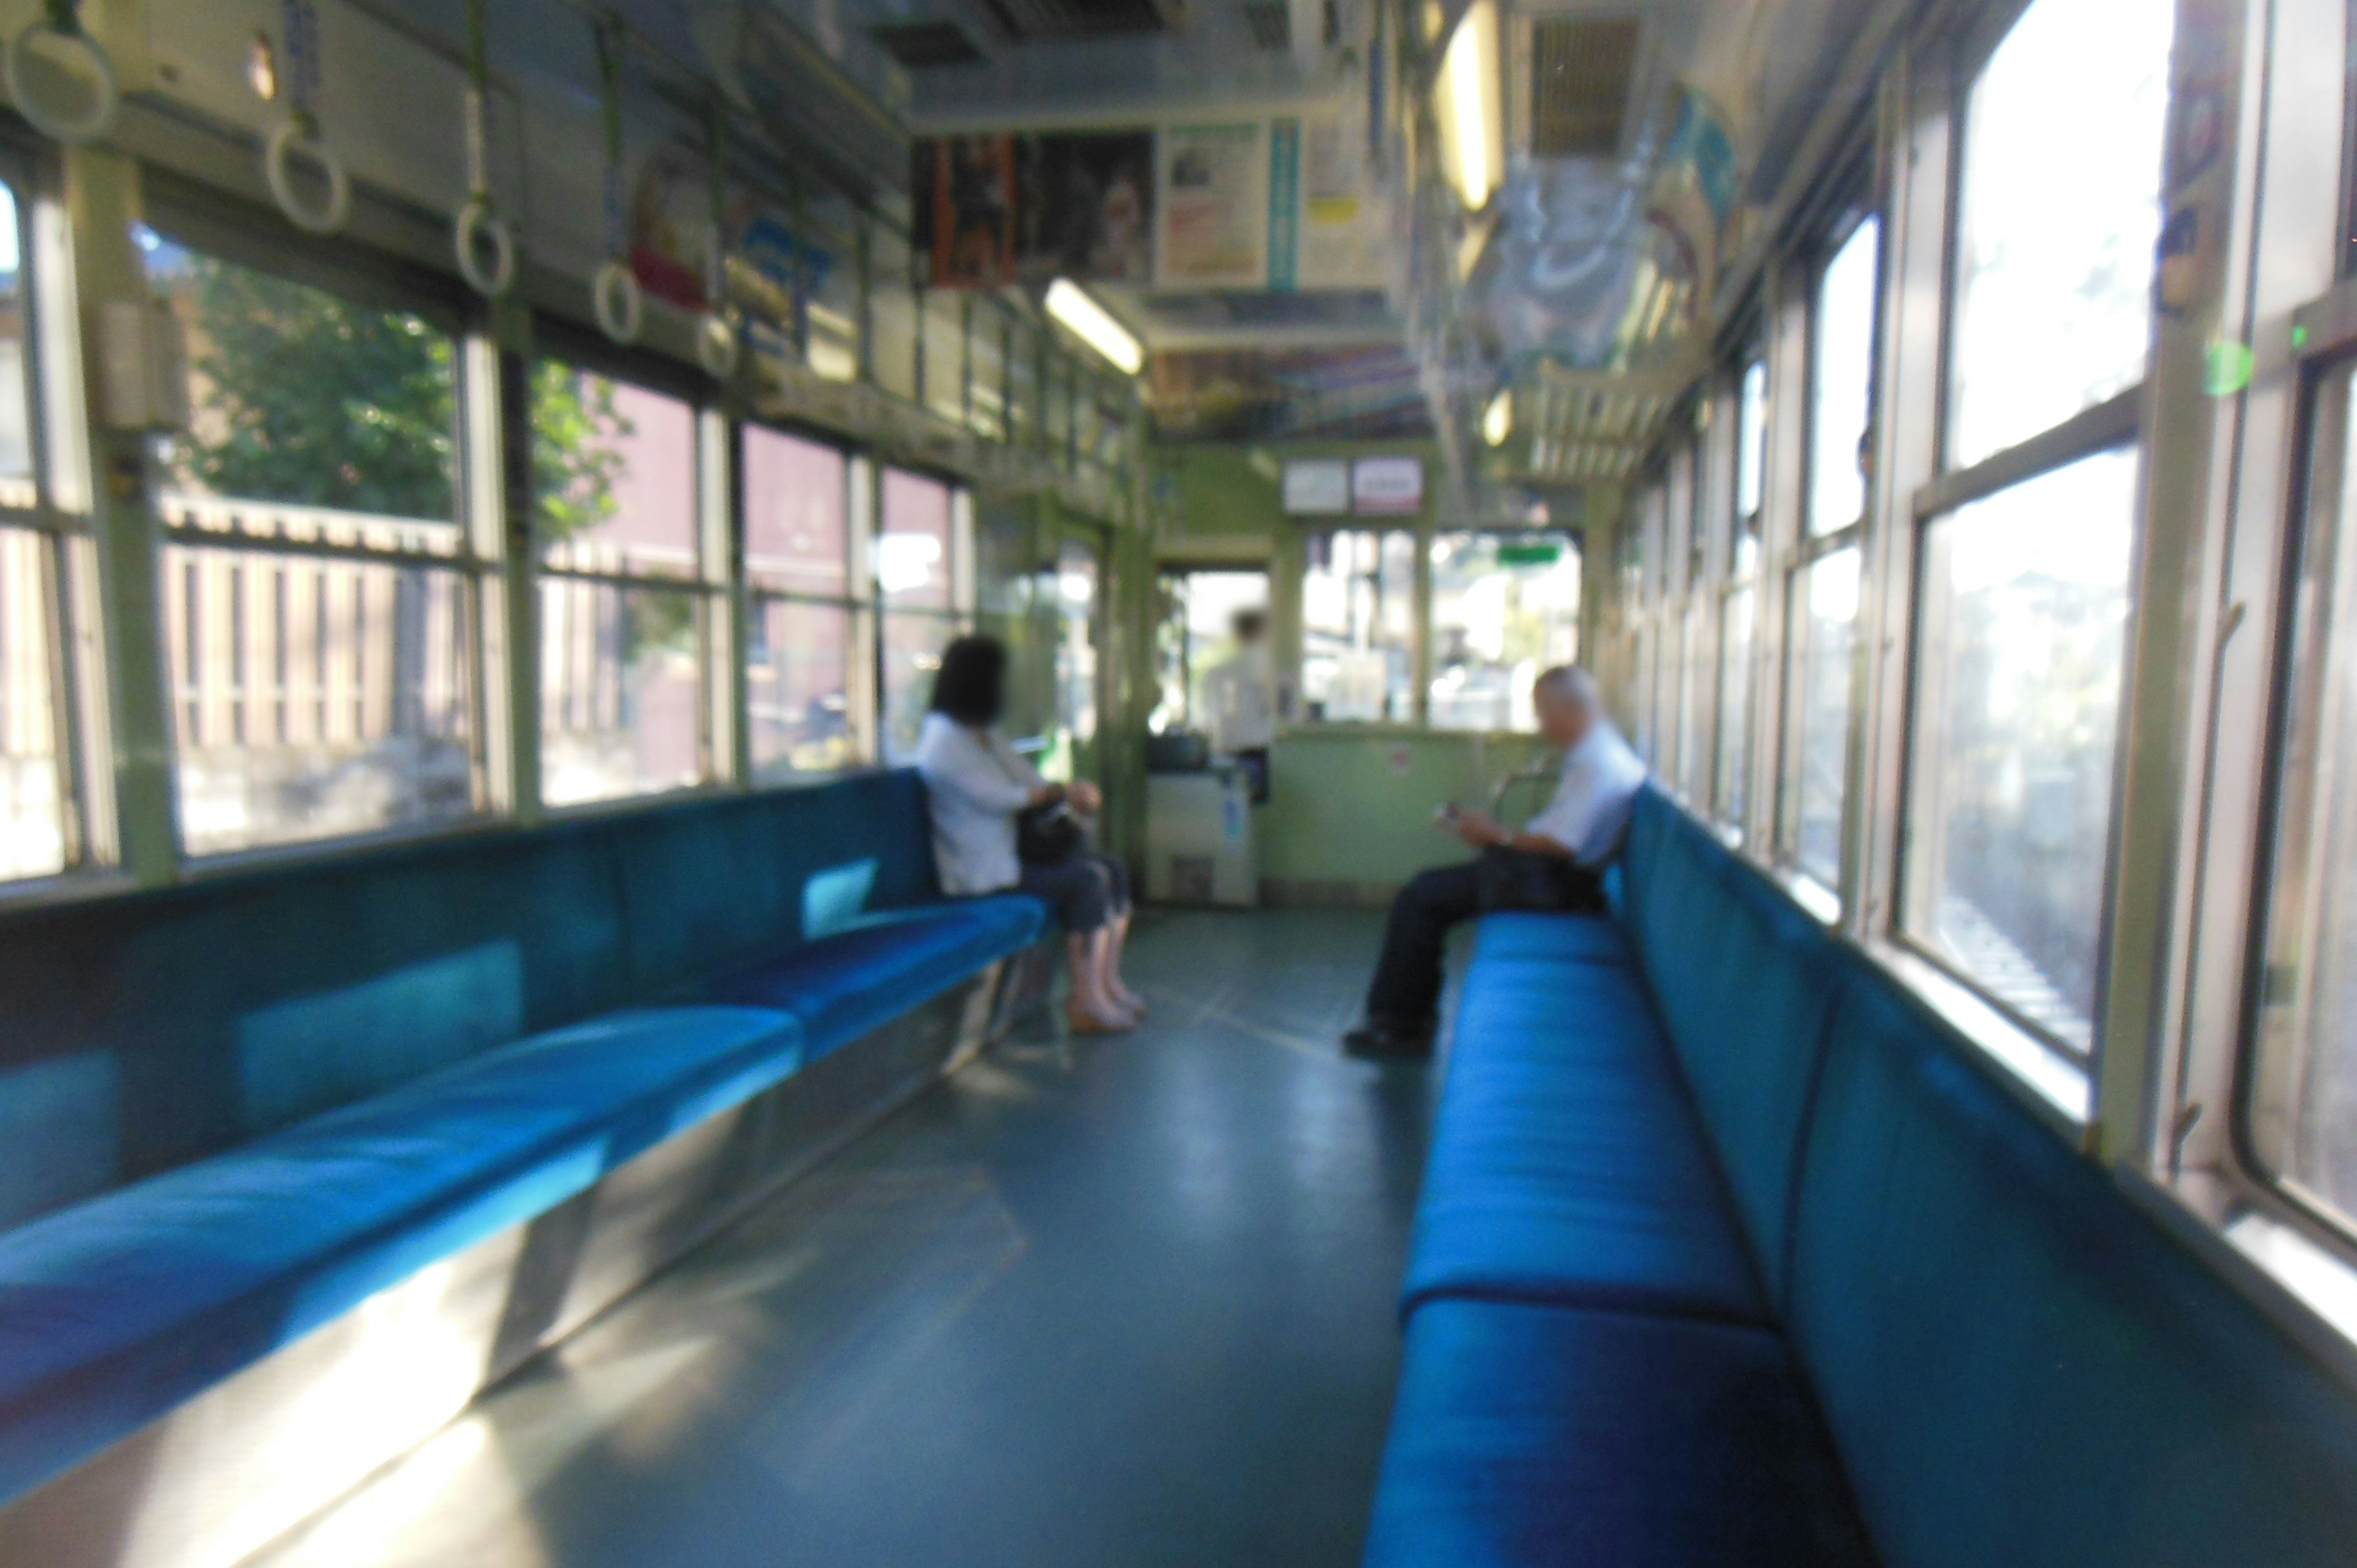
[1406, 994]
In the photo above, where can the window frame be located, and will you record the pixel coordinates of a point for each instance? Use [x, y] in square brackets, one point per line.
[59, 514]
[1420, 596]
[259, 240]
[713, 581]
[959, 616]
[858, 607]
[1425, 625]
[1858, 205]
[2114, 423]
[1732, 765]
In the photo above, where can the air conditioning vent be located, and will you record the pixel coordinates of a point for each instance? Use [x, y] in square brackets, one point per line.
[918, 45]
[1580, 74]
[1270, 22]
[1030, 20]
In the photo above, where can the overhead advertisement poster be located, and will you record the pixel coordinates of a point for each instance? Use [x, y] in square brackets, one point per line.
[1001, 209]
[1213, 206]
[1340, 224]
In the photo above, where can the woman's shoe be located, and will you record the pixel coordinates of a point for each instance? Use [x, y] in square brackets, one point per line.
[1084, 1020]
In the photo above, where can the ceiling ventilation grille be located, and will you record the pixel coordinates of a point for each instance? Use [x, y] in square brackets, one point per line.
[917, 45]
[1580, 73]
[1039, 19]
[1270, 22]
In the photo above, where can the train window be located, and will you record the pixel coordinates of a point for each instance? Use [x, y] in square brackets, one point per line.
[623, 608]
[316, 581]
[1357, 593]
[1072, 746]
[2022, 603]
[1822, 593]
[2054, 255]
[798, 653]
[1196, 637]
[915, 552]
[1841, 383]
[1693, 671]
[2299, 1099]
[2022, 620]
[33, 784]
[1739, 613]
[1824, 621]
[1504, 606]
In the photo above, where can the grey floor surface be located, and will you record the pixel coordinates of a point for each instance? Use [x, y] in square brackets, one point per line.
[1131, 1306]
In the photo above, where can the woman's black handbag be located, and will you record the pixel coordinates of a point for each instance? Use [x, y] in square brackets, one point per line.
[1049, 835]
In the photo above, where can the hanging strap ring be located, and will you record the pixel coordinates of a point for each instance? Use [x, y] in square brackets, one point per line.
[715, 344]
[479, 227]
[105, 90]
[615, 292]
[289, 141]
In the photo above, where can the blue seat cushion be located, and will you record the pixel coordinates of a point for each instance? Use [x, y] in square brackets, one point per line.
[842, 986]
[1530, 1436]
[1593, 938]
[116, 1310]
[1566, 1164]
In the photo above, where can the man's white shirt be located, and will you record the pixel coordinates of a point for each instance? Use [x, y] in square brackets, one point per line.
[1594, 799]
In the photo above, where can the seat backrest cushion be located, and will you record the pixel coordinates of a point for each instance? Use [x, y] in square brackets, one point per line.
[146, 1031]
[1745, 982]
[2019, 1363]
[715, 886]
[143, 1031]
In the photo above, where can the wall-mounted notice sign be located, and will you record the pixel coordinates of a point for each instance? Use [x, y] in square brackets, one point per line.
[1317, 487]
[1387, 485]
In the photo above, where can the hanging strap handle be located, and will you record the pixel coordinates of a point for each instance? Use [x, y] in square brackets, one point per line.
[716, 337]
[298, 27]
[61, 20]
[614, 291]
[479, 226]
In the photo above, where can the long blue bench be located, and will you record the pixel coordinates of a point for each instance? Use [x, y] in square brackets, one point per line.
[1730, 1253]
[233, 1110]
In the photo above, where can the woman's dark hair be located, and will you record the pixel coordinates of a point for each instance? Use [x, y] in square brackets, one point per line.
[972, 685]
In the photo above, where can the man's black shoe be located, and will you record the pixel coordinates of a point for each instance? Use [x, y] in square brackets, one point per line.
[1377, 1040]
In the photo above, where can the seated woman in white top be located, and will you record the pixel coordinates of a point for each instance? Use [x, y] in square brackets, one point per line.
[976, 784]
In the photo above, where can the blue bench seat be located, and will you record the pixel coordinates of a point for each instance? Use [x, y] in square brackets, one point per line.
[1590, 938]
[1734, 1254]
[1535, 1436]
[116, 1310]
[847, 985]
[1566, 1164]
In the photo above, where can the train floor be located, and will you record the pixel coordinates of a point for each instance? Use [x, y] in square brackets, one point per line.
[1131, 1305]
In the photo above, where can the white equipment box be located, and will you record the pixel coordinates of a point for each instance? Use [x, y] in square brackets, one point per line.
[1199, 838]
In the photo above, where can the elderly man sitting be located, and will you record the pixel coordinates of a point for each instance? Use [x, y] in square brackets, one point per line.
[1557, 862]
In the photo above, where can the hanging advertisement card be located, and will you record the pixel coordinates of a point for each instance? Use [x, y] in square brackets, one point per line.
[994, 209]
[1213, 206]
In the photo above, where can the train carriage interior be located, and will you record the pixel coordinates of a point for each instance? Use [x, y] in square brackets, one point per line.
[1490, 783]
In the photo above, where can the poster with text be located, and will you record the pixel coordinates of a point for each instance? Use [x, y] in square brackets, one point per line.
[1213, 206]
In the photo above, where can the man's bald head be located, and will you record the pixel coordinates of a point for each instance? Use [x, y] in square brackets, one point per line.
[1567, 702]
